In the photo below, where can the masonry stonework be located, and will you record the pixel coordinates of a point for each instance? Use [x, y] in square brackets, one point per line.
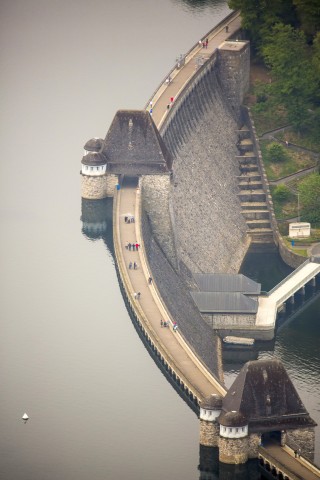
[111, 182]
[304, 439]
[209, 433]
[155, 192]
[233, 450]
[254, 441]
[93, 188]
[234, 71]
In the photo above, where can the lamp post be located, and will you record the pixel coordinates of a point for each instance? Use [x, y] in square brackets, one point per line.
[297, 193]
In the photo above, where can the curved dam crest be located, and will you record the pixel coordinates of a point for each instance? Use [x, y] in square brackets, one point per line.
[192, 222]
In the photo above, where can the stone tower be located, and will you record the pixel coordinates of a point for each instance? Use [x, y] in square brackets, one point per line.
[260, 405]
[233, 443]
[234, 70]
[210, 410]
[93, 171]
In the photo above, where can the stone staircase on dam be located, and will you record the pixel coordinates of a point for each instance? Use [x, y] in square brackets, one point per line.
[251, 194]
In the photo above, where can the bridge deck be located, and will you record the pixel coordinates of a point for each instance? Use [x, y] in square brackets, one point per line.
[268, 306]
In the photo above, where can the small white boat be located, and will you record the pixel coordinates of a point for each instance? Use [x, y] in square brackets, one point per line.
[229, 340]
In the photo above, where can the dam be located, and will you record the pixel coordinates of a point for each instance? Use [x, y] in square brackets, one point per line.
[148, 204]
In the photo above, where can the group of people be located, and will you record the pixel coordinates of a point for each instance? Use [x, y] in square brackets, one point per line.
[167, 324]
[129, 218]
[134, 265]
[164, 324]
[204, 43]
[137, 295]
[133, 246]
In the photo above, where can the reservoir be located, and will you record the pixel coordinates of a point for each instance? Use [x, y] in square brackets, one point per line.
[98, 406]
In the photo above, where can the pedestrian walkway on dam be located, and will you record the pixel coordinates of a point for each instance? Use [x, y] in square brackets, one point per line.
[128, 202]
[186, 363]
[180, 76]
[296, 468]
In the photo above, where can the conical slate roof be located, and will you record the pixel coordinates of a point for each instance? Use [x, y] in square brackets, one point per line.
[233, 419]
[94, 159]
[213, 402]
[265, 395]
[93, 145]
[133, 145]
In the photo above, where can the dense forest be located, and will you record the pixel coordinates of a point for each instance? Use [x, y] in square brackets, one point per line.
[285, 35]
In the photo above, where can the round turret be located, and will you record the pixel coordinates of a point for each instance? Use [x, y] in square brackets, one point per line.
[94, 164]
[233, 424]
[211, 407]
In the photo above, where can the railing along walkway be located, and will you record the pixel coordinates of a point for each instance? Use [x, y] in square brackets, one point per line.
[283, 459]
[181, 76]
[268, 306]
[150, 308]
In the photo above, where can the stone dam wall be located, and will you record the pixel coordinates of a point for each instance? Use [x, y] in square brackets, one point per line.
[209, 231]
[174, 291]
[192, 222]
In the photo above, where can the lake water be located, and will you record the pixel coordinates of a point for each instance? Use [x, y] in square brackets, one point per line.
[99, 407]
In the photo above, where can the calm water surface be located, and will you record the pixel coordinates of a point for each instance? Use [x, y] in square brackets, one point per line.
[69, 356]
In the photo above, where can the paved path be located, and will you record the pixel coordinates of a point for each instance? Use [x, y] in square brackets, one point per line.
[185, 362]
[298, 466]
[181, 76]
[128, 201]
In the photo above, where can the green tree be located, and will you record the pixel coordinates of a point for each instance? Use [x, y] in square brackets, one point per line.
[309, 190]
[259, 16]
[316, 68]
[289, 57]
[276, 153]
[281, 193]
[308, 12]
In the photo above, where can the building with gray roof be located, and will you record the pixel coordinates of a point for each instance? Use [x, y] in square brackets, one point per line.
[223, 282]
[226, 294]
[224, 302]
